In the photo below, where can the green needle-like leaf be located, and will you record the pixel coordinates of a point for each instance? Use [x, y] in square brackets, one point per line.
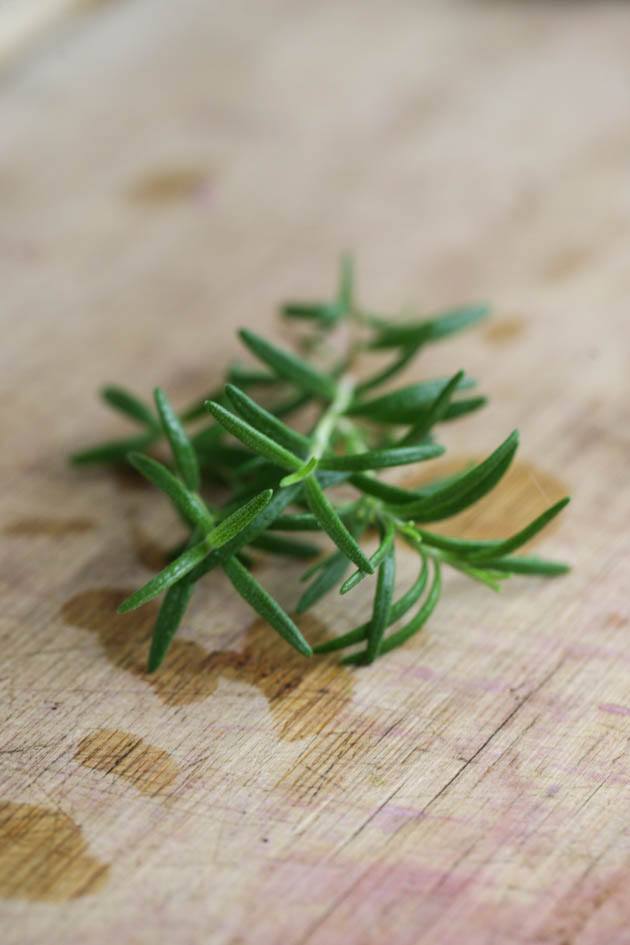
[392, 495]
[468, 488]
[398, 610]
[254, 439]
[266, 422]
[123, 400]
[168, 620]
[395, 367]
[256, 527]
[404, 405]
[326, 313]
[290, 367]
[324, 511]
[460, 408]
[297, 522]
[434, 413]
[415, 624]
[243, 376]
[276, 545]
[190, 506]
[234, 524]
[380, 459]
[172, 573]
[502, 548]
[387, 539]
[520, 564]
[331, 571]
[183, 452]
[345, 292]
[382, 605]
[392, 335]
[264, 604]
[115, 451]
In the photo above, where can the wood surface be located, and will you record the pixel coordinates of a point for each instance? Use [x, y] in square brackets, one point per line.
[168, 172]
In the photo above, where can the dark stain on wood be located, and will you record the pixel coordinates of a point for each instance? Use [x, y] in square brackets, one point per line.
[303, 694]
[149, 769]
[36, 526]
[524, 492]
[44, 856]
[167, 186]
[504, 330]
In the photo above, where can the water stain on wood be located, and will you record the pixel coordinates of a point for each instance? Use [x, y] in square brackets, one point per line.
[303, 695]
[565, 264]
[167, 186]
[149, 769]
[36, 526]
[504, 330]
[524, 492]
[44, 856]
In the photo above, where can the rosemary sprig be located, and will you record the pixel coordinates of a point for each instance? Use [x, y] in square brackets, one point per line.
[281, 480]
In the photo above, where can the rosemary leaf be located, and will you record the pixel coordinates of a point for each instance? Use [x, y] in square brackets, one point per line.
[326, 313]
[187, 503]
[434, 413]
[253, 438]
[382, 605]
[521, 564]
[415, 624]
[404, 404]
[345, 292]
[331, 571]
[392, 335]
[168, 576]
[297, 522]
[234, 524]
[264, 604]
[379, 459]
[256, 527]
[325, 512]
[115, 451]
[502, 548]
[168, 620]
[266, 422]
[463, 491]
[126, 402]
[397, 611]
[387, 539]
[289, 366]
[182, 449]
[276, 545]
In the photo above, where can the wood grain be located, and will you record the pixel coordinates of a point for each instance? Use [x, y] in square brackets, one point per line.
[168, 173]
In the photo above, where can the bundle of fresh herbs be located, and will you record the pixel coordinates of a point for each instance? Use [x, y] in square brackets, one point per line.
[280, 481]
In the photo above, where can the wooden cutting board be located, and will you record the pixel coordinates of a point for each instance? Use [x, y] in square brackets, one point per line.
[168, 173]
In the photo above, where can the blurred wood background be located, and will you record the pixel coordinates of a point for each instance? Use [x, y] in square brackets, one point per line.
[168, 172]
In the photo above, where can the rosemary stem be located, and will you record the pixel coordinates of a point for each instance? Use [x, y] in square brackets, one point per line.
[330, 418]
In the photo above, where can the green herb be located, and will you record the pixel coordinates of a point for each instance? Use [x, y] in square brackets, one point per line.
[278, 479]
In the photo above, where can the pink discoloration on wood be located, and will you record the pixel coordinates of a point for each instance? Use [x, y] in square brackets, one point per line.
[613, 709]
[393, 816]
